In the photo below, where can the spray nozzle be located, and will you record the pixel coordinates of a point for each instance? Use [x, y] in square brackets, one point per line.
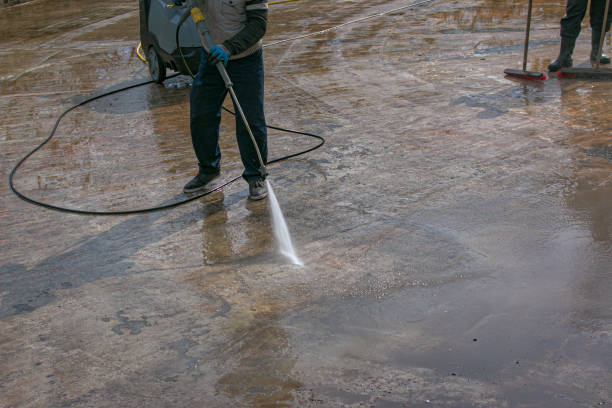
[263, 171]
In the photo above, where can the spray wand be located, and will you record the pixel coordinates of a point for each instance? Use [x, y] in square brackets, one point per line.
[198, 18]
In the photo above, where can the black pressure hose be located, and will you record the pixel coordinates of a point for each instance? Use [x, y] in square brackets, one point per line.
[148, 209]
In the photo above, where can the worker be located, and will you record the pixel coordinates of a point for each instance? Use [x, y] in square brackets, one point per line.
[236, 27]
[570, 28]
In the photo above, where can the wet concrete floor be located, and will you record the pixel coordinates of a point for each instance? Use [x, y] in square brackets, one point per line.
[456, 227]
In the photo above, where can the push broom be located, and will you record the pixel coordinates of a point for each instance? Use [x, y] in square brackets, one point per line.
[524, 74]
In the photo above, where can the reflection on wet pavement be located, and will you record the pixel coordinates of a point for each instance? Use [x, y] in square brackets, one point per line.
[456, 227]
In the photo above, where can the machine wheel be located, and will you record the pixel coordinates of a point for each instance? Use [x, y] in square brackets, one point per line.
[157, 67]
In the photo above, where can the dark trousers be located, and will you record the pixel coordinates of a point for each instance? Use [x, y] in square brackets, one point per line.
[575, 11]
[206, 98]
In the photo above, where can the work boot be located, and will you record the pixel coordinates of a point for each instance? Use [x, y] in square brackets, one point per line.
[257, 189]
[564, 60]
[595, 37]
[199, 182]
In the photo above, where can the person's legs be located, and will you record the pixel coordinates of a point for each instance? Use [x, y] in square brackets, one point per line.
[598, 8]
[247, 74]
[206, 97]
[574, 14]
[570, 29]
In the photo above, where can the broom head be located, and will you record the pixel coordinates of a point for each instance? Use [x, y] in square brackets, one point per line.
[518, 73]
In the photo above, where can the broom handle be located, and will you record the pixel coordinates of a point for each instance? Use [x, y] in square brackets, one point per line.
[527, 35]
[603, 34]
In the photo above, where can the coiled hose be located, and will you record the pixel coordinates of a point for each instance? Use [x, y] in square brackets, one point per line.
[141, 210]
[147, 209]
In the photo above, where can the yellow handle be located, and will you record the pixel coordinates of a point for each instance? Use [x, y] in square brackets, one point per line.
[197, 15]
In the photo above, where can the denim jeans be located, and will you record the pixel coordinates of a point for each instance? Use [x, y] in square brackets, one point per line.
[206, 98]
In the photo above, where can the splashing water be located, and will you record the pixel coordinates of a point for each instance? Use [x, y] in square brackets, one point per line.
[281, 232]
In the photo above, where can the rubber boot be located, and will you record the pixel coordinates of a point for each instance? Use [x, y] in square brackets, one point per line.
[595, 37]
[564, 60]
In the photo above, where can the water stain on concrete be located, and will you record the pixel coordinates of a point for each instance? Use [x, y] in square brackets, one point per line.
[449, 204]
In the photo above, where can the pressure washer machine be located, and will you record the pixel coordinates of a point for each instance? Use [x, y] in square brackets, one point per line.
[159, 20]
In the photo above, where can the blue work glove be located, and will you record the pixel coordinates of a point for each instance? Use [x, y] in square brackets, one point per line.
[218, 54]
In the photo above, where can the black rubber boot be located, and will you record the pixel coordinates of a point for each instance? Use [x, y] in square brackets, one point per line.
[564, 60]
[595, 37]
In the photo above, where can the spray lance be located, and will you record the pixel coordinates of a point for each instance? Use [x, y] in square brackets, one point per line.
[194, 11]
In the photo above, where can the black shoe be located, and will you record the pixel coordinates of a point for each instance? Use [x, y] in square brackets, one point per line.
[257, 189]
[564, 60]
[595, 37]
[199, 182]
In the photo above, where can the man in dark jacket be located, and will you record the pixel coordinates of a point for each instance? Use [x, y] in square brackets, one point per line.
[570, 28]
[236, 27]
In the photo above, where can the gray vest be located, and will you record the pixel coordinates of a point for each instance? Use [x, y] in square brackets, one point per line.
[225, 19]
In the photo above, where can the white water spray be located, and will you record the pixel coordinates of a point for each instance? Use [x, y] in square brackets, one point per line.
[281, 232]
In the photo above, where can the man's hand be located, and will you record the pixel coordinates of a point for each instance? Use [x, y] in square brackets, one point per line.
[218, 54]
